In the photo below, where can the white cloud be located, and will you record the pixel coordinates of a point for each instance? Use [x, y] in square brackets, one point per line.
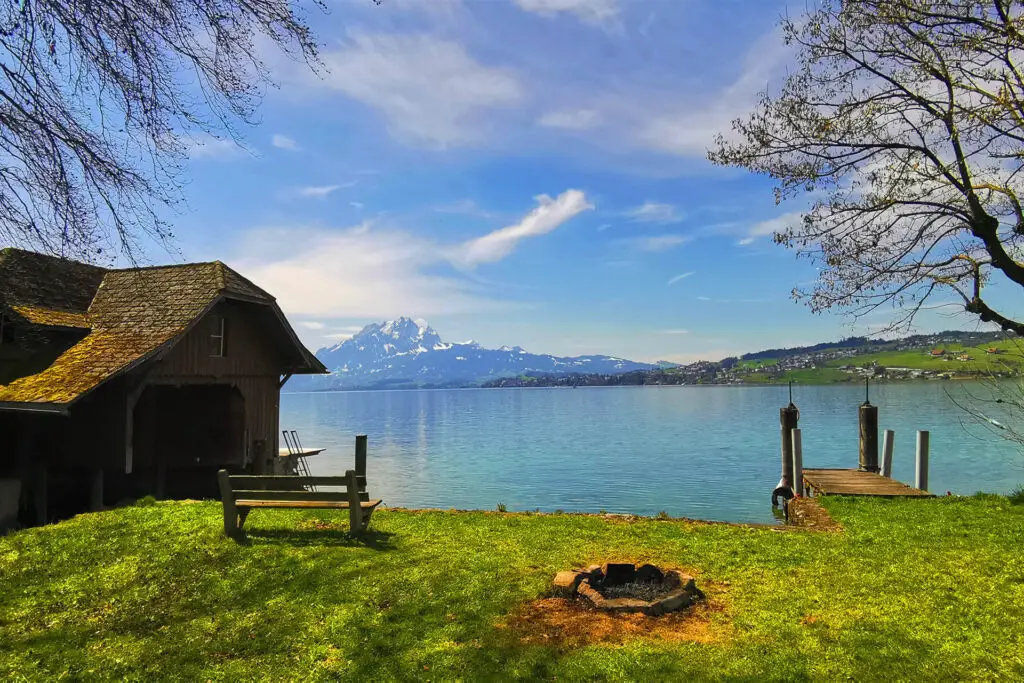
[675, 332]
[592, 11]
[603, 227]
[375, 272]
[206, 146]
[284, 142]
[688, 127]
[550, 214]
[773, 225]
[658, 242]
[312, 324]
[358, 272]
[703, 298]
[430, 90]
[570, 119]
[654, 212]
[745, 241]
[321, 191]
[677, 278]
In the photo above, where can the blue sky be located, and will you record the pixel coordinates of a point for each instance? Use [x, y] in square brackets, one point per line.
[525, 172]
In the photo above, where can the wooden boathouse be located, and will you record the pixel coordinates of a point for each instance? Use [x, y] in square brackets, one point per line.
[122, 383]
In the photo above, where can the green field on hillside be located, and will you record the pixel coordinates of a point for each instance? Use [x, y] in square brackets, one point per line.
[909, 590]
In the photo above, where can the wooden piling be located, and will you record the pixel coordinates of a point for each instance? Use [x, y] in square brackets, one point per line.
[361, 455]
[921, 462]
[798, 463]
[788, 419]
[888, 436]
[868, 438]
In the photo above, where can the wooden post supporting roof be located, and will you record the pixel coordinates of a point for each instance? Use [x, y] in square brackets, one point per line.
[129, 425]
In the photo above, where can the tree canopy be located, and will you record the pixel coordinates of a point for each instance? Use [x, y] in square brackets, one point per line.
[98, 101]
[903, 122]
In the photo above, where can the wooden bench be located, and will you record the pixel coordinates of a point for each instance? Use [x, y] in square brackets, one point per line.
[242, 492]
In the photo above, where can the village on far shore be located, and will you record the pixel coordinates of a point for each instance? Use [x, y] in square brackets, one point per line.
[947, 355]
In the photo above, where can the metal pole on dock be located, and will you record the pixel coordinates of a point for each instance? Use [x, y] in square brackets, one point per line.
[798, 463]
[888, 436]
[788, 419]
[921, 462]
[868, 434]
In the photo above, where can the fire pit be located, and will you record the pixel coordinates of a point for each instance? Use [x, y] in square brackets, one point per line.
[617, 587]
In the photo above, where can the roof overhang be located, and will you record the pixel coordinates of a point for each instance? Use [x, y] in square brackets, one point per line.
[37, 408]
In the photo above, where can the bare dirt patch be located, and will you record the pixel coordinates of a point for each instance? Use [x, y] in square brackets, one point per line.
[568, 624]
[808, 513]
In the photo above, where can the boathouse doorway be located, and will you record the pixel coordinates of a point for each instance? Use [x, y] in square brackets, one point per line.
[183, 434]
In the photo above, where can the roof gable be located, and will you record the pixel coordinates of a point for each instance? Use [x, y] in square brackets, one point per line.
[134, 315]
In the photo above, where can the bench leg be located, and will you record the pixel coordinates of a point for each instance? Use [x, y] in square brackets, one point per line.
[242, 514]
[366, 519]
[355, 510]
[228, 499]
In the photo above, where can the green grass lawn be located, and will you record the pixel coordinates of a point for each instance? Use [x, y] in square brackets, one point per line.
[929, 589]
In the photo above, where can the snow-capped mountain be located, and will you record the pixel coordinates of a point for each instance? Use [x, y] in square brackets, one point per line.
[406, 352]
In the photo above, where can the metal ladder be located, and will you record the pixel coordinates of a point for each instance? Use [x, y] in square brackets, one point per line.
[291, 440]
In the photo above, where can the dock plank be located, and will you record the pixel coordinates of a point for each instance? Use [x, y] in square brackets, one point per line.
[304, 453]
[848, 482]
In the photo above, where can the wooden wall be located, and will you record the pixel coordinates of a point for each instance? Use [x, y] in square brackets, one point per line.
[252, 364]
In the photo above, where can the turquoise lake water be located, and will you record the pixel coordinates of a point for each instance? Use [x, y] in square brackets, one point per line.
[705, 452]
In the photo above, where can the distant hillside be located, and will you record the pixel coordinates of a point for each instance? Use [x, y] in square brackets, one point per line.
[952, 354]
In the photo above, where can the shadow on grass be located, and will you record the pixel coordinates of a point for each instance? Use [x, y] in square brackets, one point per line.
[377, 540]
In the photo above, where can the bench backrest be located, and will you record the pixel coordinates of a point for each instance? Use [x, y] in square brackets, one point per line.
[291, 487]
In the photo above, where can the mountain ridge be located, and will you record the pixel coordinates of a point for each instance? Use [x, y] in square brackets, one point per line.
[409, 353]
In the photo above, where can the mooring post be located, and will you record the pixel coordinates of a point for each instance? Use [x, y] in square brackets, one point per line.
[788, 419]
[921, 466]
[868, 434]
[361, 455]
[798, 463]
[887, 440]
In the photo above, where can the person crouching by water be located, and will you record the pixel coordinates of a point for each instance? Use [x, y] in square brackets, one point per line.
[784, 492]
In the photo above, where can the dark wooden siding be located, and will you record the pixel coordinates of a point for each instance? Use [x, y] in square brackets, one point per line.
[252, 364]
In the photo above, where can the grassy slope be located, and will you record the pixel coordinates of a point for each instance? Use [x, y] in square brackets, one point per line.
[912, 589]
[1011, 360]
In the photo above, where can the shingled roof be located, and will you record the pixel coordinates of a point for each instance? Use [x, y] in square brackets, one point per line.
[131, 315]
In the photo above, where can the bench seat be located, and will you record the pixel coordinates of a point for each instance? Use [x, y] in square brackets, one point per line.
[334, 504]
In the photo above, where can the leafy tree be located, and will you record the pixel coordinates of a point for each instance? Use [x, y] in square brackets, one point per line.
[903, 121]
[98, 100]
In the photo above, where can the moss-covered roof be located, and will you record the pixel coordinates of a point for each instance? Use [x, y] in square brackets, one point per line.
[131, 314]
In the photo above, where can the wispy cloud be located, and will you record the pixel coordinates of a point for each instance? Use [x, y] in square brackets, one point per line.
[591, 11]
[550, 214]
[678, 331]
[388, 271]
[703, 298]
[465, 207]
[745, 241]
[657, 242]
[603, 227]
[431, 91]
[321, 191]
[206, 146]
[570, 119]
[677, 278]
[312, 324]
[284, 142]
[654, 212]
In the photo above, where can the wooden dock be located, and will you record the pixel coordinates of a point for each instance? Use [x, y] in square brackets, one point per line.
[843, 482]
[302, 453]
